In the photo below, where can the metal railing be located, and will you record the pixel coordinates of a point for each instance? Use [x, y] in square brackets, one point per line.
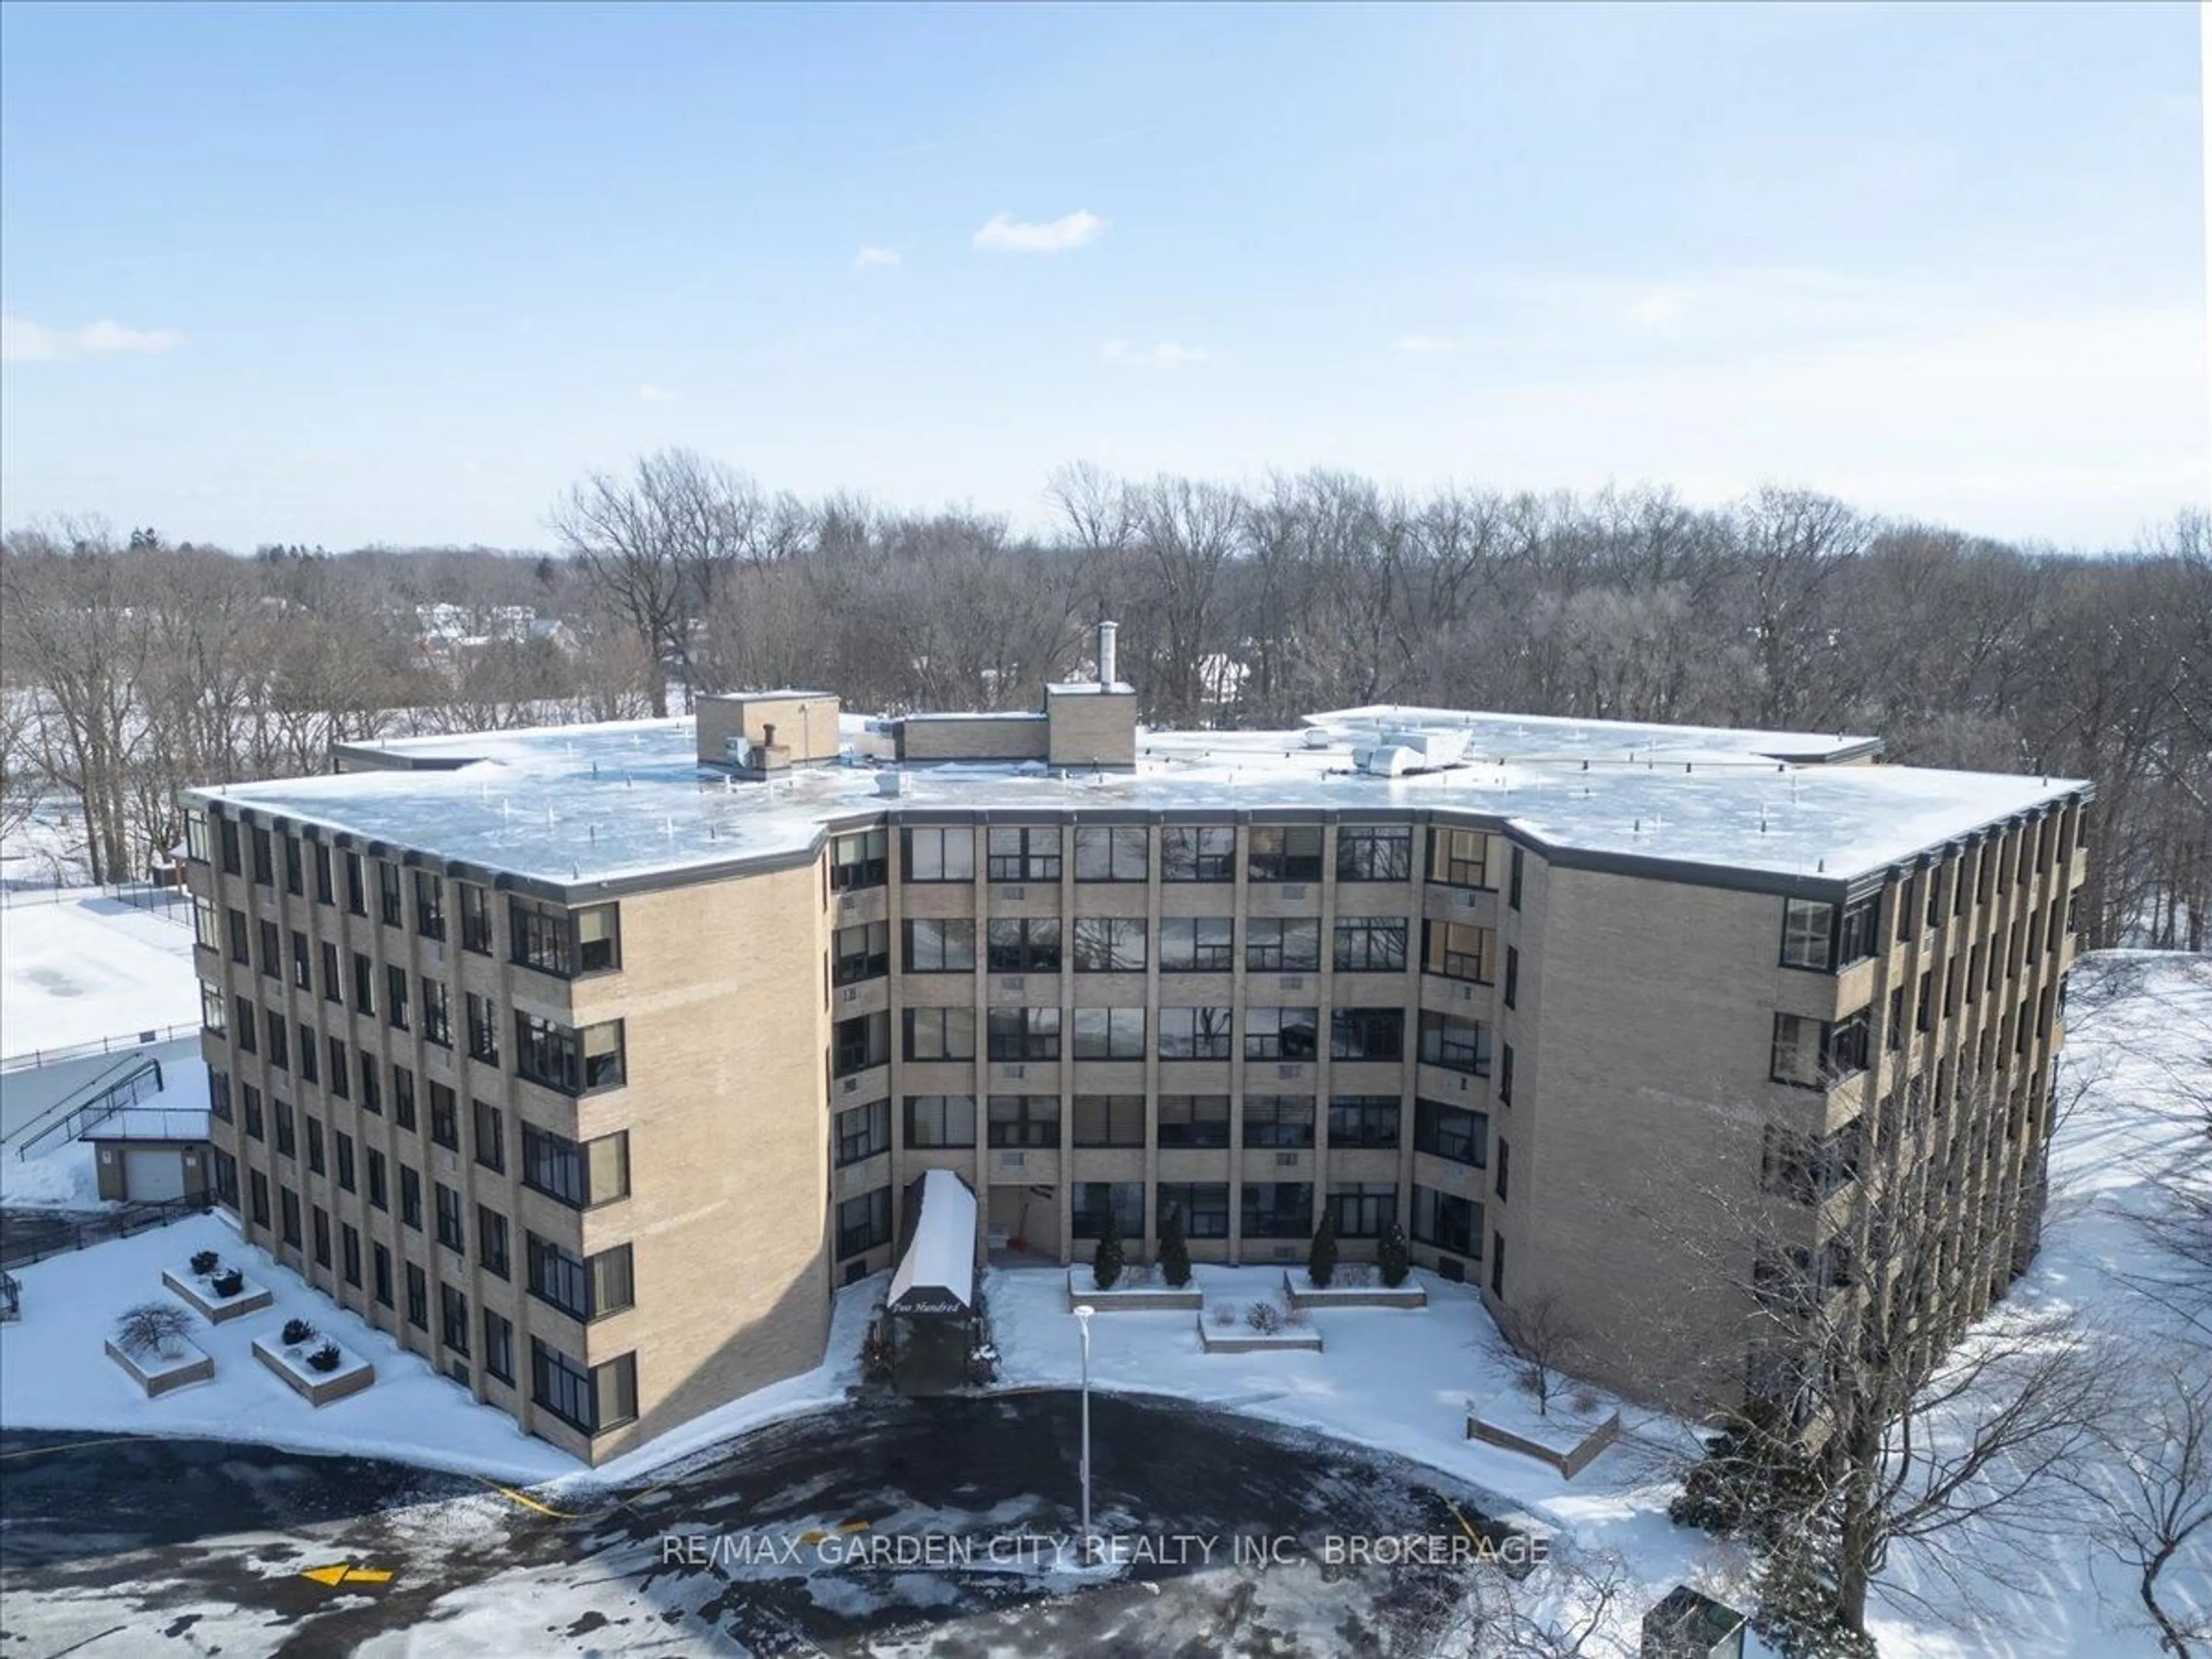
[11, 1296]
[32, 1058]
[26, 1237]
[102, 1098]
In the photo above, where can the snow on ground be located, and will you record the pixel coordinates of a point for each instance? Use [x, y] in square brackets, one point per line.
[62, 1174]
[86, 969]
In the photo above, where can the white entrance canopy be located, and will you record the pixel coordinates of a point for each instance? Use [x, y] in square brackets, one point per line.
[937, 1274]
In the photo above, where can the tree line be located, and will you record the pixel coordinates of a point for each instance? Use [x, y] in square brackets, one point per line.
[136, 668]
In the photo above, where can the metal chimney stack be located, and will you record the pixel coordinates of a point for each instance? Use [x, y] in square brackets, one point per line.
[1106, 675]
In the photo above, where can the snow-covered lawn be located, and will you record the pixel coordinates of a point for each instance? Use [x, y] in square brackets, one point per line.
[88, 968]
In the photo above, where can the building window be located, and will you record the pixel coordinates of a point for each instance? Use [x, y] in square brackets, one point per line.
[864, 1223]
[940, 1033]
[379, 1198]
[402, 1097]
[1511, 994]
[1109, 944]
[437, 1012]
[1282, 1033]
[195, 834]
[451, 1228]
[310, 1061]
[453, 1319]
[590, 1401]
[1203, 1206]
[314, 1127]
[572, 1061]
[349, 1254]
[1093, 1200]
[1367, 1034]
[1190, 852]
[1109, 1033]
[333, 981]
[226, 834]
[1459, 951]
[1278, 1209]
[491, 1241]
[941, 1120]
[1807, 934]
[364, 984]
[1459, 1134]
[395, 997]
[1029, 946]
[860, 1043]
[566, 944]
[931, 855]
[490, 1127]
[294, 881]
[499, 1346]
[241, 937]
[860, 952]
[1195, 1034]
[1798, 1044]
[445, 1116]
[1103, 854]
[207, 927]
[430, 904]
[287, 1207]
[1282, 944]
[581, 1176]
[584, 1288]
[302, 975]
[1455, 1043]
[280, 1049]
[264, 867]
[1017, 1034]
[418, 1297]
[1195, 1121]
[862, 1132]
[860, 860]
[1015, 854]
[319, 1231]
[356, 891]
[244, 1025]
[1858, 931]
[379, 1262]
[212, 1016]
[1459, 858]
[1024, 1120]
[1374, 854]
[1810, 1169]
[1197, 944]
[1370, 944]
[1284, 853]
[475, 917]
[945, 947]
[226, 1178]
[258, 1196]
[411, 1198]
[287, 1134]
[272, 957]
[1364, 1209]
[1848, 1045]
[1282, 1121]
[1448, 1221]
[387, 893]
[1513, 881]
[1504, 1167]
[1505, 1074]
[1368, 1121]
[483, 1027]
[1110, 1119]
[372, 1099]
[219, 1096]
[345, 1161]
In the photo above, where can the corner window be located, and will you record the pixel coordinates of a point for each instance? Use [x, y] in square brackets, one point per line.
[573, 1061]
[1807, 934]
[566, 944]
[578, 1175]
[938, 855]
[860, 860]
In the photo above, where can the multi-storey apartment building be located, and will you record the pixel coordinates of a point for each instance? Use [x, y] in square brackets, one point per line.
[587, 1062]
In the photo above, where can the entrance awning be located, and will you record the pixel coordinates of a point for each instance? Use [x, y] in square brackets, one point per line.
[936, 1276]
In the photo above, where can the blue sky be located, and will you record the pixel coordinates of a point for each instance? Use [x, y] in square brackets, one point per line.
[400, 273]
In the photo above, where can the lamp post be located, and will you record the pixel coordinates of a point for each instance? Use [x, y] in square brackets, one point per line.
[1082, 1312]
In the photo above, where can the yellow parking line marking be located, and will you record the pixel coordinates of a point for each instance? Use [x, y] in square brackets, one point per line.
[852, 1526]
[1462, 1519]
[70, 1445]
[528, 1502]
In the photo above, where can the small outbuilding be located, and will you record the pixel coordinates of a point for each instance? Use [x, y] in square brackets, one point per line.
[930, 1311]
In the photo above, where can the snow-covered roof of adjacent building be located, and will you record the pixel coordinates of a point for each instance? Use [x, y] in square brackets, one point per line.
[628, 802]
[941, 1255]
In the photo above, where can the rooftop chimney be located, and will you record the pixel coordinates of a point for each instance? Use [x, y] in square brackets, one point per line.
[1106, 675]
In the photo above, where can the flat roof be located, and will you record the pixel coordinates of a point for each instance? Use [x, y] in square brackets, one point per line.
[627, 803]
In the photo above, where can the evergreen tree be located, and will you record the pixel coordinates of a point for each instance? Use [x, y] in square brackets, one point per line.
[1394, 1258]
[1175, 1253]
[1106, 1260]
[1320, 1260]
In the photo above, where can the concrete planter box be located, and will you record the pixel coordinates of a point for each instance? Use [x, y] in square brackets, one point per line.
[1377, 1295]
[1241, 1337]
[316, 1388]
[158, 1375]
[1564, 1438]
[1154, 1298]
[217, 1309]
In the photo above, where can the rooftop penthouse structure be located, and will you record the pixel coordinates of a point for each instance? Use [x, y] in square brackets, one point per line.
[588, 1061]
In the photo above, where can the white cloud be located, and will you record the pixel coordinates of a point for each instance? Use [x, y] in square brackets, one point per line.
[1424, 343]
[22, 341]
[870, 255]
[1004, 234]
[650, 393]
[1166, 355]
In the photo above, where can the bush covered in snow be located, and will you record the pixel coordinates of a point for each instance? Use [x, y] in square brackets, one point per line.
[1320, 1260]
[1393, 1260]
[205, 1262]
[324, 1359]
[227, 1281]
[1106, 1260]
[152, 1328]
[1175, 1251]
[297, 1331]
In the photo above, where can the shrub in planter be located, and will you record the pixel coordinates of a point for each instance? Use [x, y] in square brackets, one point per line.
[324, 1359]
[1106, 1260]
[153, 1328]
[1224, 1316]
[1320, 1260]
[1393, 1259]
[297, 1331]
[205, 1262]
[1174, 1250]
[1264, 1317]
[228, 1282]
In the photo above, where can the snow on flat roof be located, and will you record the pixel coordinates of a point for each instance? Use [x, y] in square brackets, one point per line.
[627, 799]
[942, 1254]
